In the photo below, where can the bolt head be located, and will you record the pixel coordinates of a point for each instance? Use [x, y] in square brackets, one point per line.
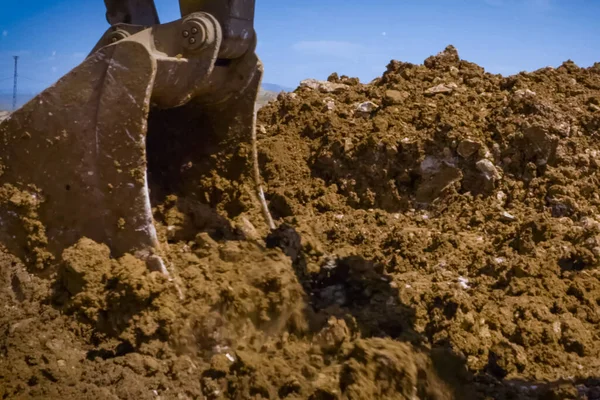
[194, 30]
[114, 40]
[192, 40]
[186, 34]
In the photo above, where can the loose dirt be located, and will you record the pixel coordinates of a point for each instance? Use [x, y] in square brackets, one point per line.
[439, 237]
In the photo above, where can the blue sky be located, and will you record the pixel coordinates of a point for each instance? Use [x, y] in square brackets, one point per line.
[299, 39]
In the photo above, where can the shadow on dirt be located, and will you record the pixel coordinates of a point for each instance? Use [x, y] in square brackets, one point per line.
[358, 291]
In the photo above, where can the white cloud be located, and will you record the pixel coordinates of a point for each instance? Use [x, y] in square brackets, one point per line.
[383, 33]
[4, 33]
[330, 48]
[54, 69]
[54, 53]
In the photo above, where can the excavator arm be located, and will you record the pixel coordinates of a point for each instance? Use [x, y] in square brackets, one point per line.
[88, 156]
[135, 12]
[235, 16]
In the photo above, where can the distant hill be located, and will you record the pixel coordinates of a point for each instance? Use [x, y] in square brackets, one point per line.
[272, 87]
[269, 91]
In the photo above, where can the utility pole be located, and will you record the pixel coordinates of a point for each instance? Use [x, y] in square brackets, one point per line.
[15, 85]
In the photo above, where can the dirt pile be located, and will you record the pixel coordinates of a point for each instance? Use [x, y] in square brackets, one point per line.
[438, 238]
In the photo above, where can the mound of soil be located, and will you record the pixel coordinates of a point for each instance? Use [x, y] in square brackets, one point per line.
[438, 237]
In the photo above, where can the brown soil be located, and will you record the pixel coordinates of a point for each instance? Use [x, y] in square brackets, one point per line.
[441, 241]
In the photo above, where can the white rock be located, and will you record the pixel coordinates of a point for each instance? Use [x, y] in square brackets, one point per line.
[524, 93]
[501, 196]
[488, 169]
[329, 104]
[367, 107]
[505, 215]
[463, 282]
[556, 327]
[324, 86]
[442, 88]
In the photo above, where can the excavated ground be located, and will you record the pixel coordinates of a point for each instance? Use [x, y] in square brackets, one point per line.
[439, 237]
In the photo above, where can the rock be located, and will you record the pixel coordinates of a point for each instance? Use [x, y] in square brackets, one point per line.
[436, 177]
[543, 145]
[367, 106]
[4, 115]
[380, 124]
[488, 169]
[324, 86]
[524, 93]
[333, 334]
[248, 229]
[204, 241]
[441, 88]
[507, 217]
[329, 104]
[394, 97]
[501, 197]
[365, 109]
[468, 147]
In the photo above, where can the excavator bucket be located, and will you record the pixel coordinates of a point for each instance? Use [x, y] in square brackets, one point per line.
[74, 160]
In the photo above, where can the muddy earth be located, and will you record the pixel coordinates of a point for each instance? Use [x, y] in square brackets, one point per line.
[438, 238]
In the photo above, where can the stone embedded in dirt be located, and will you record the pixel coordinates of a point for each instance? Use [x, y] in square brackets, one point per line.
[365, 109]
[543, 144]
[437, 176]
[395, 97]
[507, 217]
[324, 86]
[329, 104]
[524, 93]
[203, 240]
[382, 125]
[488, 169]
[466, 148]
[248, 229]
[334, 334]
[441, 88]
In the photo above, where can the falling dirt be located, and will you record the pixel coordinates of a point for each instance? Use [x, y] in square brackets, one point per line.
[439, 238]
